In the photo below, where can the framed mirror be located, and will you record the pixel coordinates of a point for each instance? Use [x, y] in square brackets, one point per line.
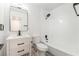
[76, 8]
[18, 19]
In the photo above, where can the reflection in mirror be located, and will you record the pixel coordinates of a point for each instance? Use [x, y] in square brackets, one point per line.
[18, 19]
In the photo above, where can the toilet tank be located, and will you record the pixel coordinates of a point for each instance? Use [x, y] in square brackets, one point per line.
[36, 38]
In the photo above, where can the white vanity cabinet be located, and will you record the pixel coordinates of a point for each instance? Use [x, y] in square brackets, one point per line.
[19, 46]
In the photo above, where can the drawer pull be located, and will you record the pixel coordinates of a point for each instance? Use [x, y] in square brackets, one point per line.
[20, 44]
[20, 51]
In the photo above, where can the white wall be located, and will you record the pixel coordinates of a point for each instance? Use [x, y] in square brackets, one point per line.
[63, 29]
[34, 19]
[44, 23]
[1, 21]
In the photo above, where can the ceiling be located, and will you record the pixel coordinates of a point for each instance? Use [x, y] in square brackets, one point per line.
[46, 6]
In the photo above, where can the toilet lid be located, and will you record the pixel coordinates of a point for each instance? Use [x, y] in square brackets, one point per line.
[42, 47]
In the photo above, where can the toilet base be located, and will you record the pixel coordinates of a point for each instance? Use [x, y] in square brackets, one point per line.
[41, 53]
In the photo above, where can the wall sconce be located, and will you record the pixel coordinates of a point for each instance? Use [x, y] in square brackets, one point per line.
[76, 8]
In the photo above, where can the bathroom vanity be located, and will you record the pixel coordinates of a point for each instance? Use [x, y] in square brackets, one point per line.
[19, 46]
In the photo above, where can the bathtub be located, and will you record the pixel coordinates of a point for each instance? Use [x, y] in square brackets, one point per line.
[60, 51]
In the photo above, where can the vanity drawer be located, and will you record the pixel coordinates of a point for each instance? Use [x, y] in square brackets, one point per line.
[16, 43]
[19, 44]
[16, 52]
[21, 52]
[19, 47]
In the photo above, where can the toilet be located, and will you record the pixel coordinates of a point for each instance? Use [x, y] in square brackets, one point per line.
[41, 48]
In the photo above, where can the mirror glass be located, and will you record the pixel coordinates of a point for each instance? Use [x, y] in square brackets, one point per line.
[18, 19]
[76, 8]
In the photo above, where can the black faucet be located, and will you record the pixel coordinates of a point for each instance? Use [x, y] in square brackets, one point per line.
[19, 33]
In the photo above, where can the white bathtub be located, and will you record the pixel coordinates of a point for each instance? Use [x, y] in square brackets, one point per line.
[61, 51]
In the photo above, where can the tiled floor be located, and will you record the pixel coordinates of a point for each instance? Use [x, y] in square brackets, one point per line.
[49, 54]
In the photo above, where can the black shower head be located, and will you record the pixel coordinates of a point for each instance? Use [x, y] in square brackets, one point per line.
[48, 15]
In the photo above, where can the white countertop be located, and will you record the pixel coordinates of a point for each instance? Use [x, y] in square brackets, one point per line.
[17, 37]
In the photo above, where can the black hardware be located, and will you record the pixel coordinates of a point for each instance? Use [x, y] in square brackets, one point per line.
[19, 33]
[20, 44]
[20, 51]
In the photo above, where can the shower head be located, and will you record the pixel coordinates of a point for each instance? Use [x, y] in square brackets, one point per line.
[48, 15]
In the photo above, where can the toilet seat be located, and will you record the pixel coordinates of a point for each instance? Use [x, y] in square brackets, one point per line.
[42, 47]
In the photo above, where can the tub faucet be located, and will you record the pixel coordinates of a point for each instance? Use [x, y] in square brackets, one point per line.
[46, 37]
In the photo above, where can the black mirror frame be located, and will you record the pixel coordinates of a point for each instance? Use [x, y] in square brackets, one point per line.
[75, 8]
